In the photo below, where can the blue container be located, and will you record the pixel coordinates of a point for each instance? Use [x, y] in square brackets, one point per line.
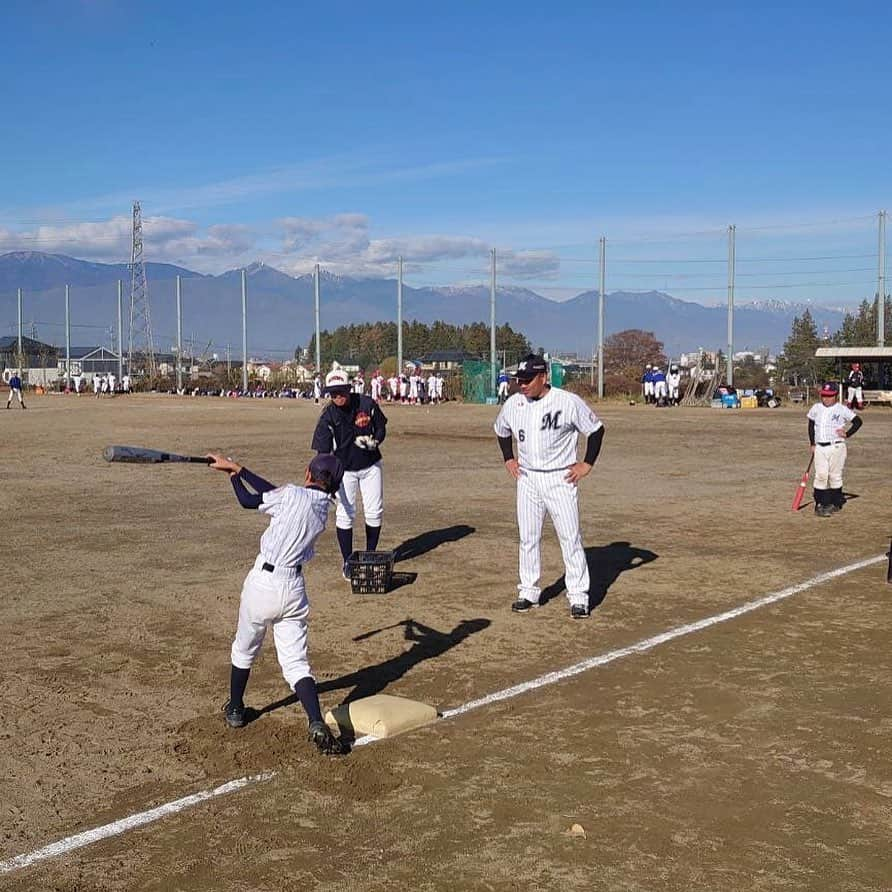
[730, 401]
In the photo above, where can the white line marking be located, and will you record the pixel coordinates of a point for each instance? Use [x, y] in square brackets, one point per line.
[650, 643]
[70, 843]
[146, 817]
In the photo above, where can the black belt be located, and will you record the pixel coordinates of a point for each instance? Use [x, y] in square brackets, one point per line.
[270, 567]
[835, 443]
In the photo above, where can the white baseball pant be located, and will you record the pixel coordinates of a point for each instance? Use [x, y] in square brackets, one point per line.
[369, 482]
[276, 599]
[829, 464]
[539, 492]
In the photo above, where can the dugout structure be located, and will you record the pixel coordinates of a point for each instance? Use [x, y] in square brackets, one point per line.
[876, 363]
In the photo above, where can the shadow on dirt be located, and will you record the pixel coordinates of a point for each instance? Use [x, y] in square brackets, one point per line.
[419, 545]
[427, 644]
[605, 563]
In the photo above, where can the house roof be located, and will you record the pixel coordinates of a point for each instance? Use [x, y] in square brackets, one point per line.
[92, 353]
[853, 353]
[28, 344]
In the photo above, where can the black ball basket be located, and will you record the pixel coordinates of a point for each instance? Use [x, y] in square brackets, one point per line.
[370, 572]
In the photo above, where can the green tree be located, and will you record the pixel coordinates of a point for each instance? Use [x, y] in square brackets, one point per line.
[859, 329]
[368, 344]
[798, 364]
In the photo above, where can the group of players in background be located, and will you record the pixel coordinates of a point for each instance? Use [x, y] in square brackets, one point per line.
[409, 388]
[661, 388]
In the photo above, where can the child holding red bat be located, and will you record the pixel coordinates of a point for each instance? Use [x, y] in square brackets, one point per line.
[827, 434]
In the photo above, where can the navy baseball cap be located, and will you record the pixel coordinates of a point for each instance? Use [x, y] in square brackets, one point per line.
[830, 388]
[327, 470]
[530, 366]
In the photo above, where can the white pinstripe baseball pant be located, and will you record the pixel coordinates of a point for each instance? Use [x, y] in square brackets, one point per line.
[539, 492]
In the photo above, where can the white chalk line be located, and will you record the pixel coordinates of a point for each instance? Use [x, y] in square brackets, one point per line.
[88, 837]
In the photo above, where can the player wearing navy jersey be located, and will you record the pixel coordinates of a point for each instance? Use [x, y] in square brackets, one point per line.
[352, 428]
[827, 434]
[15, 390]
[855, 384]
[647, 379]
[546, 422]
[274, 593]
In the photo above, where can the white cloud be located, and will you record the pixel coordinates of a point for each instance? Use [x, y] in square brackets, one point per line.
[109, 239]
[528, 264]
[165, 239]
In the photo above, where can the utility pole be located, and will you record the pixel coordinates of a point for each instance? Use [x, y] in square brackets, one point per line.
[179, 336]
[120, 331]
[732, 231]
[881, 282]
[67, 335]
[399, 318]
[318, 332]
[601, 284]
[20, 359]
[492, 323]
[244, 331]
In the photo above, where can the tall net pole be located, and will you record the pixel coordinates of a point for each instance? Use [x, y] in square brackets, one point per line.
[602, 266]
[399, 318]
[140, 338]
[881, 281]
[732, 260]
[492, 323]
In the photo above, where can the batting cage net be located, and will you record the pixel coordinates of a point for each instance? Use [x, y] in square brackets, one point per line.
[476, 381]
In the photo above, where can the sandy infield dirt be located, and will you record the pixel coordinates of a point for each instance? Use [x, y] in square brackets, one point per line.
[750, 755]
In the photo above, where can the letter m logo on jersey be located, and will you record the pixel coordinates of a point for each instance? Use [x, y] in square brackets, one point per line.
[551, 421]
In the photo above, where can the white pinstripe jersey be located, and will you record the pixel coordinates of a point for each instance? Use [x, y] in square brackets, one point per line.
[546, 429]
[298, 517]
[828, 419]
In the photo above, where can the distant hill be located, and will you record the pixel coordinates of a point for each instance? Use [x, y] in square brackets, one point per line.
[281, 308]
[35, 271]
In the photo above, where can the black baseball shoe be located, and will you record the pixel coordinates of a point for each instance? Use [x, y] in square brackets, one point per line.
[345, 572]
[234, 715]
[579, 611]
[321, 737]
[521, 605]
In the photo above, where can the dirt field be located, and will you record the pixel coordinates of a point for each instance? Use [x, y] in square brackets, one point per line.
[750, 755]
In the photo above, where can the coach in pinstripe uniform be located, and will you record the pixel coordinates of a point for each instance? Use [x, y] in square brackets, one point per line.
[546, 422]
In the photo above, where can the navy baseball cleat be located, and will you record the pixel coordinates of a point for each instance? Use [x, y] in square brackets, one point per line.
[234, 715]
[579, 611]
[321, 737]
[521, 605]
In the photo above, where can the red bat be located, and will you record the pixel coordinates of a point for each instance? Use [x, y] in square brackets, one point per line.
[800, 490]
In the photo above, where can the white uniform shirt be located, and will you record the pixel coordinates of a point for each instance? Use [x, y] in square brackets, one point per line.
[828, 419]
[298, 517]
[546, 429]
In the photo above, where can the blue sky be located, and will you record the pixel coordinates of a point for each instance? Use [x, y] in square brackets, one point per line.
[355, 133]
